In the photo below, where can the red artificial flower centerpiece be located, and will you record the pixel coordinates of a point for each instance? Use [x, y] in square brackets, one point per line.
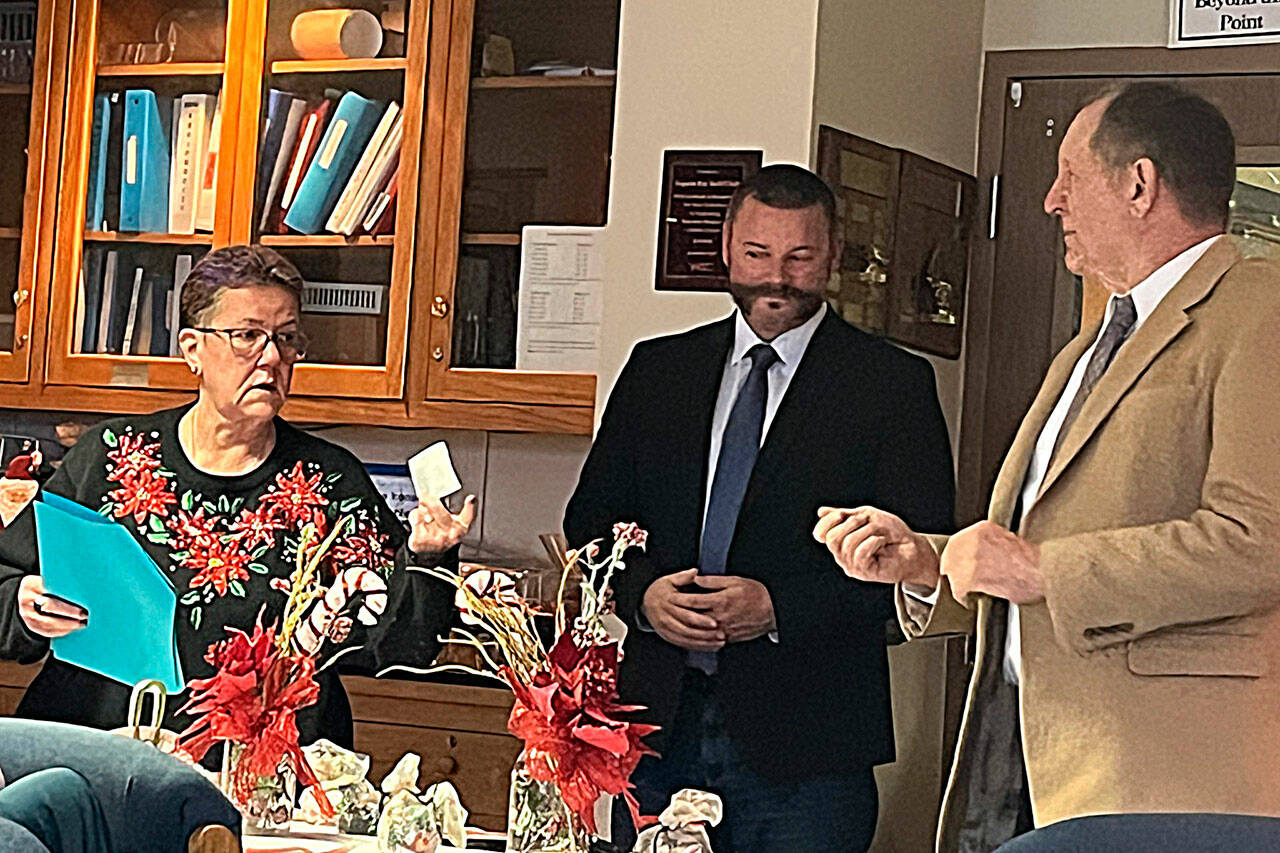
[252, 700]
[579, 744]
[261, 680]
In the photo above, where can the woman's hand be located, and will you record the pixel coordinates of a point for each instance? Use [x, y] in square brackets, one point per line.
[46, 615]
[434, 530]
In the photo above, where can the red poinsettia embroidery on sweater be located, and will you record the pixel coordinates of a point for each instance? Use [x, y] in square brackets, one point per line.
[294, 498]
[224, 543]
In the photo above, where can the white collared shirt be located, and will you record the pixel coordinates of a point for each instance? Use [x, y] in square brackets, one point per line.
[1146, 296]
[790, 347]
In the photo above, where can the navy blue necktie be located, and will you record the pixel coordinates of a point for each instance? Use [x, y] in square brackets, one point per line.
[739, 447]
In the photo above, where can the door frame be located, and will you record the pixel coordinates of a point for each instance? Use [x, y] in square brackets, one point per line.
[1000, 69]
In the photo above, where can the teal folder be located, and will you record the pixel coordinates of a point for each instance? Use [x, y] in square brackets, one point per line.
[94, 562]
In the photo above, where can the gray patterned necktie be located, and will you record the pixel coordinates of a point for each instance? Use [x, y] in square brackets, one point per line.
[1119, 327]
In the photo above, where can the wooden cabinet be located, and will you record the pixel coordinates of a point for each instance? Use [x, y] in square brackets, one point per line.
[478, 158]
[460, 733]
[28, 161]
[524, 148]
[907, 223]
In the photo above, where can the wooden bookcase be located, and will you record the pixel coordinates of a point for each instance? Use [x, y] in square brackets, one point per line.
[462, 133]
[28, 160]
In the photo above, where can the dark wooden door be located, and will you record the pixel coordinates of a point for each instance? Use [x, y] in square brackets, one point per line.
[1035, 305]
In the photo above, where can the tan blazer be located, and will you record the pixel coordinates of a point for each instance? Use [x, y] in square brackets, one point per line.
[1151, 672]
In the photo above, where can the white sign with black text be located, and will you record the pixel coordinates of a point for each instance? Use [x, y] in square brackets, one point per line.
[1210, 23]
[561, 298]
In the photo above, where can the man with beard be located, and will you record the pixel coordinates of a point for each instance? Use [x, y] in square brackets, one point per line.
[767, 673]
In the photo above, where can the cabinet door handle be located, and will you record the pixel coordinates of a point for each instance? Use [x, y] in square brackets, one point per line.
[438, 353]
[20, 297]
[439, 307]
[20, 342]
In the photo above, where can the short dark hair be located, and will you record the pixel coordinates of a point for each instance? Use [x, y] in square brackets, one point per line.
[788, 187]
[231, 267]
[1187, 138]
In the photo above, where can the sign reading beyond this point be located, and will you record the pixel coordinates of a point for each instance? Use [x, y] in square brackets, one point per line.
[1207, 23]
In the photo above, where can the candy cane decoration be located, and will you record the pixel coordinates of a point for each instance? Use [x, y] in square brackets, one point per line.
[357, 579]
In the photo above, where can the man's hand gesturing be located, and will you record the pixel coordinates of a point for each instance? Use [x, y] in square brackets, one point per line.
[873, 545]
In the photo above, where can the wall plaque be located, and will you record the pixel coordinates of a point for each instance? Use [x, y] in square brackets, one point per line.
[696, 188]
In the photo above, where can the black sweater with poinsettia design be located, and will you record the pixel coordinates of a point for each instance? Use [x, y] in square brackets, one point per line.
[228, 546]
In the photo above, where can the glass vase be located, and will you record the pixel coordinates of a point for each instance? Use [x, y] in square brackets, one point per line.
[265, 803]
[538, 819]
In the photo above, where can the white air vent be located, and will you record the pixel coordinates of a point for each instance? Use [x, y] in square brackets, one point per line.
[332, 297]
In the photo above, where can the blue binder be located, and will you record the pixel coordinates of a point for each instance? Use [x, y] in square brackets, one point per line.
[278, 103]
[348, 133]
[98, 154]
[144, 164]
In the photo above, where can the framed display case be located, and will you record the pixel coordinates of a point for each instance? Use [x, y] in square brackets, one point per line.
[907, 222]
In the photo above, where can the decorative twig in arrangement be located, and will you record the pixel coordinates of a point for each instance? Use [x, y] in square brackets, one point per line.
[566, 711]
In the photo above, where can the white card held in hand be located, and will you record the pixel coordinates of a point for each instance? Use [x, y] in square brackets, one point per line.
[432, 472]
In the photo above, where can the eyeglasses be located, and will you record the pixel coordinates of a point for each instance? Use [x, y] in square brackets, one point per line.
[249, 343]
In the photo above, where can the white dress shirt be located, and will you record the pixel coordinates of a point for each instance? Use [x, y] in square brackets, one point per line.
[790, 347]
[1147, 294]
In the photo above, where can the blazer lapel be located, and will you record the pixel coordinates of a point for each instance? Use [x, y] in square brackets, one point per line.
[1157, 332]
[697, 384]
[802, 399]
[1013, 471]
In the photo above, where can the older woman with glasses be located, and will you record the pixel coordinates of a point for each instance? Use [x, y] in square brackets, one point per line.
[217, 492]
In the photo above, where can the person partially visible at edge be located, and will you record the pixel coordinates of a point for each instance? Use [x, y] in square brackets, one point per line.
[1126, 583]
[764, 666]
[216, 492]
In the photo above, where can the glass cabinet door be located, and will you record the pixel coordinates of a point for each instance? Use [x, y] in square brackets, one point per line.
[148, 161]
[339, 123]
[24, 65]
[538, 119]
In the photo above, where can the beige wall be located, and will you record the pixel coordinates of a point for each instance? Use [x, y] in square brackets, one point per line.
[1027, 24]
[909, 81]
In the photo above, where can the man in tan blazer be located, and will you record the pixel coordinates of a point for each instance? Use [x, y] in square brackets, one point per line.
[1128, 626]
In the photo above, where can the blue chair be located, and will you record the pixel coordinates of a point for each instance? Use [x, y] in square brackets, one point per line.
[16, 839]
[1153, 833]
[153, 803]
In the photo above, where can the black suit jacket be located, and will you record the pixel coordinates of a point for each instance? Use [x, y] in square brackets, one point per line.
[859, 424]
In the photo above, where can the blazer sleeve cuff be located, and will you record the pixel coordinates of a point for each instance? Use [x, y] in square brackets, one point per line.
[947, 617]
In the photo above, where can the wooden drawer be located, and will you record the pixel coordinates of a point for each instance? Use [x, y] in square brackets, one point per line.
[14, 679]
[478, 765]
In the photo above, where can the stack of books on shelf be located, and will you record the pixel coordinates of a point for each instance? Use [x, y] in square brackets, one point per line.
[129, 300]
[153, 162]
[329, 164]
